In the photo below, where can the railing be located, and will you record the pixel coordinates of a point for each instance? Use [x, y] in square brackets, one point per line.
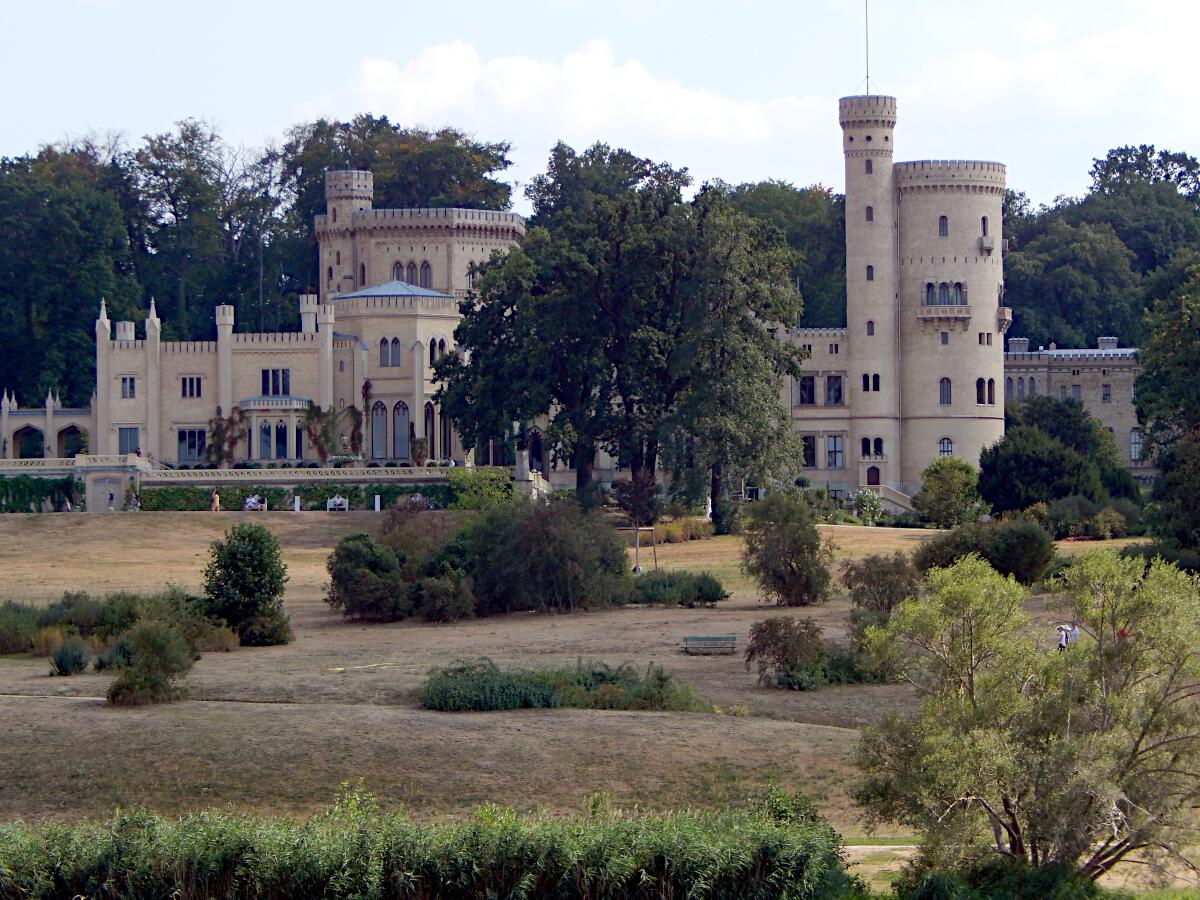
[891, 495]
[1004, 318]
[53, 462]
[944, 312]
[82, 461]
[355, 475]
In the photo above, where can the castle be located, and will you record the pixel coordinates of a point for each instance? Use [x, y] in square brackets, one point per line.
[917, 373]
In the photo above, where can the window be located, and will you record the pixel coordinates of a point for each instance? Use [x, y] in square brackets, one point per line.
[432, 351]
[329, 274]
[833, 390]
[833, 349]
[870, 328]
[128, 387]
[866, 448]
[945, 447]
[806, 390]
[441, 348]
[835, 452]
[866, 382]
[341, 365]
[1135, 445]
[991, 392]
[943, 226]
[878, 446]
[929, 294]
[385, 358]
[470, 274]
[190, 386]
[1062, 392]
[410, 274]
[426, 275]
[1032, 386]
[868, 167]
[870, 273]
[875, 382]
[989, 339]
[944, 392]
[1106, 393]
[1008, 389]
[334, 212]
[945, 338]
[983, 226]
[1077, 392]
[398, 272]
[128, 440]
[1020, 388]
[395, 351]
[362, 274]
[980, 389]
[981, 339]
[943, 298]
[808, 451]
[956, 294]
[264, 440]
[192, 442]
[277, 382]
[338, 257]
[870, 214]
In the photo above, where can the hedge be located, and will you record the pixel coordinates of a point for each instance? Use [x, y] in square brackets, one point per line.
[24, 493]
[312, 496]
[353, 851]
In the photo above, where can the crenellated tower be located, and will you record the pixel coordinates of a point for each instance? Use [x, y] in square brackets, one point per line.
[342, 266]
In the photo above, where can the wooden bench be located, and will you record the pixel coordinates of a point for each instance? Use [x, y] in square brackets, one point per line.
[710, 646]
[336, 504]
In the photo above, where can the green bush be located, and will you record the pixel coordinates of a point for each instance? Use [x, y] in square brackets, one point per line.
[998, 879]
[876, 584]
[786, 652]
[352, 851]
[678, 588]
[365, 580]
[75, 610]
[483, 488]
[784, 552]
[159, 659]
[444, 599]
[1014, 547]
[179, 499]
[265, 631]
[1069, 516]
[481, 686]
[1107, 524]
[116, 655]
[244, 580]
[18, 624]
[69, 658]
[24, 493]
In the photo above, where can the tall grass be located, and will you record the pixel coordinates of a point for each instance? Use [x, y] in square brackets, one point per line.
[354, 851]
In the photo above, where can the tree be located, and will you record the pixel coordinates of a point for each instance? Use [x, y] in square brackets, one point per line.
[160, 659]
[784, 552]
[1168, 386]
[244, 580]
[949, 493]
[1029, 466]
[1074, 759]
[1174, 514]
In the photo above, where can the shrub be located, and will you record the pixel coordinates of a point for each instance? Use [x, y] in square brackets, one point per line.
[784, 551]
[160, 660]
[786, 652]
[484, 488]
[116, 655]
[868, 505]
[728, 516]
[265, 631]
[76, 610]
[244, 579]
[46, 639]
[677, 531]
[1069, 516]
[999, 878]
[876, 584]
[444, 599]
[949, 493]
[1106, 524]
[481, 686]
[365, 580]
[678, 588]
[18, 624]
[69, 658]
[1013, 547]
[418, 534]
[185, 613]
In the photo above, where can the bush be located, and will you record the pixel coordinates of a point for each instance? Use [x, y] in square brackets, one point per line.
[728, 516]
[678, 588]
[1107, 524]
[1069, 516]
[998, 878]
[77, 611]
[483, 488]
[786, 652]
[868, 505]
[265, 631]
[949, 493]
[366, 582]
[418, 534]
[876, 584]
[1013, 547]
[69, 658]
[444, 599]
[46, 639]
[160, 658]
[677, 531]
[116, 655]
[481, 686]
[18, 624]
[784, 552]
[244, 580]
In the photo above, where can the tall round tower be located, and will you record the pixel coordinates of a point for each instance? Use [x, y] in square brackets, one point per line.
[347, 192]
[872, 373]
[952, 321]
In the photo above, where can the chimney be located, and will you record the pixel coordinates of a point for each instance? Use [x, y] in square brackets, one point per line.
[1018, 345]
[1107, 343]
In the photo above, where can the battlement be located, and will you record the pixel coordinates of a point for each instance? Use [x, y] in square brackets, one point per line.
[949, 173]
[349, 184]
[295, 339]
[191, 347]
[363, 306]
[441, 217]
[817, 332]
[870, 110]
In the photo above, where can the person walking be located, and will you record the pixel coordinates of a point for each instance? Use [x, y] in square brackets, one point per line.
[216, 501]
[1073, 634]
[1062, 637]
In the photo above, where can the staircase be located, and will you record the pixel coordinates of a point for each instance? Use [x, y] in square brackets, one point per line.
[892, 496]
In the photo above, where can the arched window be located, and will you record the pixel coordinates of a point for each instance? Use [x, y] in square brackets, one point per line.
[1020, 388]
[379, 441]
[983, 226]
[329, 274]
[870, 327]
[362, 274]
[945, 447]
[943, 294]
[400, 430]
[398, 272]
[1032, 386]
[866, 382]
[1008, 389]
[868, 167]
[929, 294]
[395, 351]
[878, 447]
[956, 294]
[470, 275]
[866, 447]
[338, 257]
[943, 226]
[870, 273]
[432, 352]
[430, 436]
[944, 392]
[991, 392]
[980, 390]
[444, 427]
[426, 275]
[411, 276]
[875, 382]
[385, 358]
[441, 348]
[333, 212]
[870, 214]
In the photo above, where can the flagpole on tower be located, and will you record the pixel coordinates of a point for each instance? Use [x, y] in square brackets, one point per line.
[867, 40]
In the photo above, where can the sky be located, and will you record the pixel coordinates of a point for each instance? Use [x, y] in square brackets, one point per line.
[741, 91]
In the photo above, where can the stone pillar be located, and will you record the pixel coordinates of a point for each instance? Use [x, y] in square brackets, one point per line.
[153, 398]
[308, 313]
[325, 319]
[5, 451]
[224, 316]
[48, 443]
[291, 437]
[101, 441]
[418, 404]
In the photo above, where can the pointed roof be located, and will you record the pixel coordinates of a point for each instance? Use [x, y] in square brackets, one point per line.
[392, 289]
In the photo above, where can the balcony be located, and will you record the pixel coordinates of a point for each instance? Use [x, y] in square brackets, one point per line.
[933, 313]
[987, 244]
[1004, 318]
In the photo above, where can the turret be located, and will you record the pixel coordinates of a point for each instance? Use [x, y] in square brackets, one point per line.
[224, 320]
[308, 313]
[325, 318]
[347, 191]
[101, 439]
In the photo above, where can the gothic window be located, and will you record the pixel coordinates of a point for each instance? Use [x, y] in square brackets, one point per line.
[943, 226]
[400, 427]
[334, 213]
[870, 214]
[944, 392]
[866, 447]
[991, 392]
[943, 298]
[870, 273]
[980, 388]
[264, 440]
[983, 227]
[362, 274]
[411, 276]
[945, 447]
[441, 348]
[444, 428]
[338, 257]
[875, 382]
[430, 436]
[379, 440]
[470, 275]
[281, 436]
[929, 294]
[395, 361]
[1020, 388]
[1032, 386]
[398, 272]
[866, 382]
[385, 358]
[868, 167]
[329, 274]
[1008, 388]
[432, 351]
[426, 275]
[956, 294]
[870, 328]
[878, 446]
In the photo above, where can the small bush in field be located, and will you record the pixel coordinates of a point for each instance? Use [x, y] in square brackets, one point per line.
[481, 686]
[265, 631]
[160, 660]
[69, 658]
[18, 625]
[784, 552]
[444, 599]
[1014, 547]
[1107, 524]
[366, 582]
[786, 652]
[76, 610]
[116, 655]
[677, 588]
[46, 639]
[876, 585]
[245, 578]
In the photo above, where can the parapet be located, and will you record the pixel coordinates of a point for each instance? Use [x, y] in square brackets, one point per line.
[869, 110]
[125, 331]
[349, 184]
[224, 315]
[433, 217]
[953, 173]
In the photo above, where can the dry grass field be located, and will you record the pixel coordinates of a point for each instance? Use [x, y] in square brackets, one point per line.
[279, 729]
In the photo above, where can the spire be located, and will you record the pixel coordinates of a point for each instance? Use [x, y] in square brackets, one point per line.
[153, 312]
[103, 311]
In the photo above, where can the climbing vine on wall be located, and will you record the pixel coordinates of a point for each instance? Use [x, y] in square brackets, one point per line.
[23, 493]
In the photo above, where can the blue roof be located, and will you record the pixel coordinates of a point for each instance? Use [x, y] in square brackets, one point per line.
[392, 289]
